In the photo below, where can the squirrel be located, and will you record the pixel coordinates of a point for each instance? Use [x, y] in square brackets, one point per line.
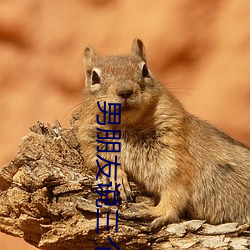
[191, 167]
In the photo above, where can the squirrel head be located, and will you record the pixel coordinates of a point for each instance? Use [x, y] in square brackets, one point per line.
[120, 79]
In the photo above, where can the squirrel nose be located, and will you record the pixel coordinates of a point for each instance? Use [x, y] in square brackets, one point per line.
[124, 93]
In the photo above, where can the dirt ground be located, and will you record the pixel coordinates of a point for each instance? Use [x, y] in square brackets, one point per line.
[200, 49]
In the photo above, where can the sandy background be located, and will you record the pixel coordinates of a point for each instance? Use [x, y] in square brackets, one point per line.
[200, 49]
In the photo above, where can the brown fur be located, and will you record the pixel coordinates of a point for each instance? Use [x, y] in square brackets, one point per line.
[191, 166]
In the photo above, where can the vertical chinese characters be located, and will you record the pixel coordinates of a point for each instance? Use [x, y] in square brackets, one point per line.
[108, 142]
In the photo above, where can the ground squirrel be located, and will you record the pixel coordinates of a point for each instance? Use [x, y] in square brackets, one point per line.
[190, 166]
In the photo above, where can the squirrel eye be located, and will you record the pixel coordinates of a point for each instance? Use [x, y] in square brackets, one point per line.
[145, 72]
[95, 78]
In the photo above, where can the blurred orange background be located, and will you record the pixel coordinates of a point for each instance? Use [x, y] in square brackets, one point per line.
[200, 49]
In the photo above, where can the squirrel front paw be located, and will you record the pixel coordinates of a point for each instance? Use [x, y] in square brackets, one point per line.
[123, 189]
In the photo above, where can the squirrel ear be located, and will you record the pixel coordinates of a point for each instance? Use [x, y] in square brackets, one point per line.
[138, 49]
[89, 57]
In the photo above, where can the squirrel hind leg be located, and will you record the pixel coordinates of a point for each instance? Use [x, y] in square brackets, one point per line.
[163, 220]
[168, 210]
[164, 213]
[160, 215]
